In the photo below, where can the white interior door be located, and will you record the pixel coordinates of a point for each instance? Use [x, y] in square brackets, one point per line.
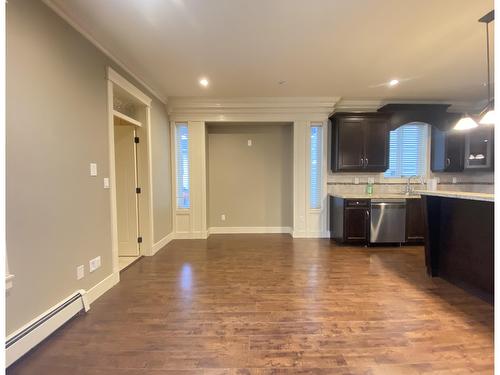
[126, 197]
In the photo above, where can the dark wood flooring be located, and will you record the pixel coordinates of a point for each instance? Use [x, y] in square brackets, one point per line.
[270, 304]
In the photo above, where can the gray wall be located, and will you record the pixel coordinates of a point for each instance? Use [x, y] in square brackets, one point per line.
[58, 216]
[252, 186]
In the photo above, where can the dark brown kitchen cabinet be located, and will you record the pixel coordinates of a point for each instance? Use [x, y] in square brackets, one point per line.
[360, 142]
[447, 150]
[415, 228]
[350, 220]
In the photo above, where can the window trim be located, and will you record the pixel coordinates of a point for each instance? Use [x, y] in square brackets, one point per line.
[323, 175]
[180, 210]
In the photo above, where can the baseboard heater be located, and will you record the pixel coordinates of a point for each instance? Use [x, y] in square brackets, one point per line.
[26, 338]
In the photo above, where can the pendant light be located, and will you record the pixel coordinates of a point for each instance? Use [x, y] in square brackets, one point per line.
[488, 114]
[465, 123]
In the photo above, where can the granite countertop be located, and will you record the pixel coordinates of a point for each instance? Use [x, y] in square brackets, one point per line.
[458, 194]
[375, 196]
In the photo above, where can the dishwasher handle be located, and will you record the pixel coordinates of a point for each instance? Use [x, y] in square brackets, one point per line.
[388, 205]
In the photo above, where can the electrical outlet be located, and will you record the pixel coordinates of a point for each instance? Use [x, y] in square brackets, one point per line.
[80, 272]
[223, 217]
[93, 169]
[94, 264]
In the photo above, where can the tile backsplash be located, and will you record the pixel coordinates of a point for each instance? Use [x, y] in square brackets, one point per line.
[473, 181]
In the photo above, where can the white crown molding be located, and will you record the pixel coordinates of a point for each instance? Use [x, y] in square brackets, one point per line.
[251, 108]
[372, 105]
[86, 34]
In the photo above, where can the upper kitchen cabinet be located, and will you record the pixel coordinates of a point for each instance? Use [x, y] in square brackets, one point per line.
[360, 142]
[447, 150]
[479, 149]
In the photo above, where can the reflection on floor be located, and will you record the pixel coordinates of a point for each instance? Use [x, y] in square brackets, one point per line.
[124, 262]
[270, 304]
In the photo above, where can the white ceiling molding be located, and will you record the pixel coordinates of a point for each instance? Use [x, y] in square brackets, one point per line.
[73, 23]
[372, 105]
[246, 109]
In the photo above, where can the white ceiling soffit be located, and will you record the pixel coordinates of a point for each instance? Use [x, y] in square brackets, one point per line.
[318, 47]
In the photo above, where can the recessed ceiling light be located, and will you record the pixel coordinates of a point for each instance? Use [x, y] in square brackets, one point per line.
[204, 82]
[393, 82]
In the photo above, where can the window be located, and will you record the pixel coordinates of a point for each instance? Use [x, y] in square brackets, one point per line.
[315, 167]
[408, 151]
[182, 165]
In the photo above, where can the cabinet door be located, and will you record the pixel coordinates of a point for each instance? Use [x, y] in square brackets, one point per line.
[447, 151]
[376, 145]
[349, 144]
[455, 145]
[415, 228]
[356, 224]
[438, 150]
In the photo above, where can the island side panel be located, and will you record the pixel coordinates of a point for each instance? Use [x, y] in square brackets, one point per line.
[466, 244]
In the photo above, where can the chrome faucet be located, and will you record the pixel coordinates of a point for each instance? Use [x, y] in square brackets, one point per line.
[408, 188]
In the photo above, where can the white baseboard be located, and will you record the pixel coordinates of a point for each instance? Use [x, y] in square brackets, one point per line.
[161, 243]
[297, 234]
[235, 230]
[31, 334]
[102, 287]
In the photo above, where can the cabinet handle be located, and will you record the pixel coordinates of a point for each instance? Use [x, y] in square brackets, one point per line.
[448, 162]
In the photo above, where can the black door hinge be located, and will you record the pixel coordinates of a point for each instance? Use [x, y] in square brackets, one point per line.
[138, 190]
[136, 139]
[139, 239]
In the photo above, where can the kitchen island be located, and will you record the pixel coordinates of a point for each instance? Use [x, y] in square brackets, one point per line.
[459, 239]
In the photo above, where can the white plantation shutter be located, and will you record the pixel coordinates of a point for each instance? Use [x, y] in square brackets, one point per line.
[315, 167]
[182, 165]
[407, 151]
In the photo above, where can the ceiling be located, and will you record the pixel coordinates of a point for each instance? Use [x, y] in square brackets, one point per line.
[340, 48]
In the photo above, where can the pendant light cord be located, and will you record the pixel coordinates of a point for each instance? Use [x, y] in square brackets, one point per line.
[488, 60]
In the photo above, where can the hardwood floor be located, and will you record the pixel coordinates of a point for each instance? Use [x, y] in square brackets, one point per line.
[270, 304]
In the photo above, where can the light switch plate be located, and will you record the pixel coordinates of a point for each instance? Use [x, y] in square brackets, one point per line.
[106, 182]
[80, 272]
[93, 169]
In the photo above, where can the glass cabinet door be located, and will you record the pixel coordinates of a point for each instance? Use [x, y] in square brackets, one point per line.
[479, 148]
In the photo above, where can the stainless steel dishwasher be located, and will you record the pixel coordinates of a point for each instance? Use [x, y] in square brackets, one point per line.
[387, 220]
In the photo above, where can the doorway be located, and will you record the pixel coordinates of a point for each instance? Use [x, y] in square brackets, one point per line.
[130, 171]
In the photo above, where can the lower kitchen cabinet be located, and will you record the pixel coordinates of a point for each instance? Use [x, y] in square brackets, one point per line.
[350, 220]
[415, 228]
